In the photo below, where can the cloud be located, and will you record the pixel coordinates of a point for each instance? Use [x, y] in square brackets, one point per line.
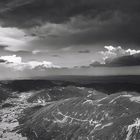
[114, 52]
[84, 51]
[85, 31]
[37, 12]
[13, 39]
[117, 56]
[56, 25]
[132, 51]
[66, 48]
[94, 64]
[16, 63]
[3, 47]
[35, 51]
[88, 21]
[12, 59]
[2, 61]
[129, 60]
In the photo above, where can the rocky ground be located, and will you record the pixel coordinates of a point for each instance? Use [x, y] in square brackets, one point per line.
[9, 113]
[70, 113]
[18, 102]
[96, 116]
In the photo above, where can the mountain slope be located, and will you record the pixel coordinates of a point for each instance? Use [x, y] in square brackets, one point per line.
[96, 116]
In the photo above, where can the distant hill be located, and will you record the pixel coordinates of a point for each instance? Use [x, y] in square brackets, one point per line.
[57, 93]
[107, 84]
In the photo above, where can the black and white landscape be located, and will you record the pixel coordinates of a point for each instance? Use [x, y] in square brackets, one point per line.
[62, 108]
[69, 70]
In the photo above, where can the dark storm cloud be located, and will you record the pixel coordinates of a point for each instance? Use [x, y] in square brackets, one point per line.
[2, 47]
[34, 12]
[108, 21]
[2, 61]
[96, 64]
[3, 50]
[129, 60]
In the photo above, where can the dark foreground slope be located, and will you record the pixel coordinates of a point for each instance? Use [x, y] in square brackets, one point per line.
[96, 116]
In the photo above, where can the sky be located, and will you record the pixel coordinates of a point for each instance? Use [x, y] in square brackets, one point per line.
[44, 37]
